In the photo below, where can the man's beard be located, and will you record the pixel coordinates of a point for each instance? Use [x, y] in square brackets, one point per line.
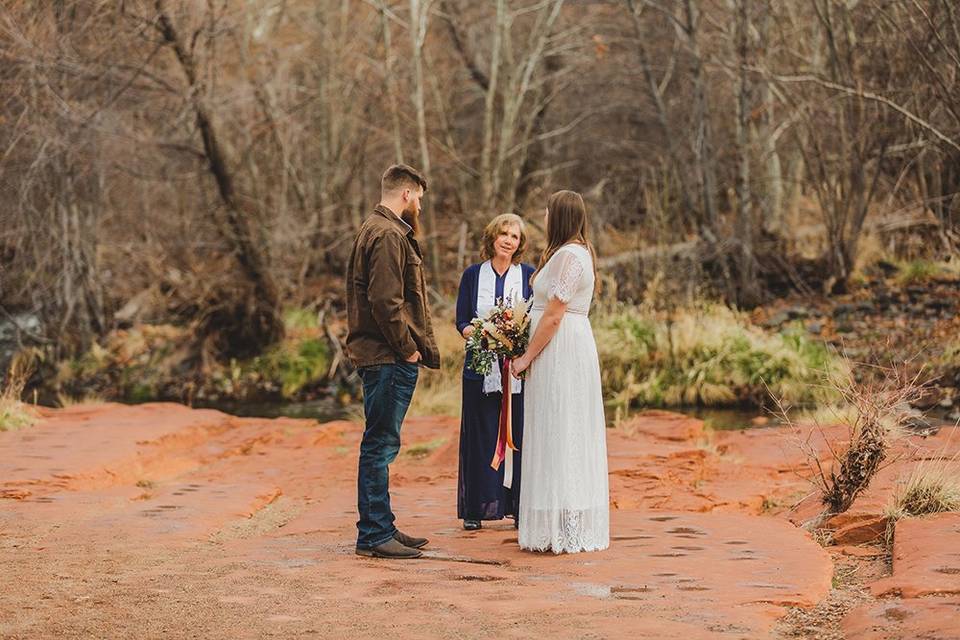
[413, 219]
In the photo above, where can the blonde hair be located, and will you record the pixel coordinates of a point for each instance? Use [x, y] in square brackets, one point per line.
[493, 230]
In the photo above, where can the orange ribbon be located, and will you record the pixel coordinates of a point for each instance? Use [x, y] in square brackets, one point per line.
[505, 432]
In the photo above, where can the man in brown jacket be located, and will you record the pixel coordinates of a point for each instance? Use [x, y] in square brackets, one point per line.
[389, 337]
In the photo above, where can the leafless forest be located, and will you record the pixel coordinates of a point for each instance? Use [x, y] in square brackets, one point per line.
[205, 162]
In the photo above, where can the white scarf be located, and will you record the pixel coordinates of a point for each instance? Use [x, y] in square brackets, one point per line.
[486, 299]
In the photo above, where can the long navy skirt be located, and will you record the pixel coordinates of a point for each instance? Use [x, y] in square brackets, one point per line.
[481, 494]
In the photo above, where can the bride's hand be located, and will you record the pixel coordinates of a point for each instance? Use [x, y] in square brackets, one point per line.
[518, 366]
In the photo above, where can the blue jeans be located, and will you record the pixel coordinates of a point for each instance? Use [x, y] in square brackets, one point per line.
[387, 390]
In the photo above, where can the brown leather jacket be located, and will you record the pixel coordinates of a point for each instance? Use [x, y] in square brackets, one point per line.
[387, 314]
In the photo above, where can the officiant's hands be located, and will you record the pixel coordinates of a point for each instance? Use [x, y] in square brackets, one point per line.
[518, 366]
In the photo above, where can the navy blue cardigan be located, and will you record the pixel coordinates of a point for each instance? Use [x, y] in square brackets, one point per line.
[467, 302]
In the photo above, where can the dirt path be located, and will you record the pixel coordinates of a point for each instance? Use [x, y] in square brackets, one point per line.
[159, 520]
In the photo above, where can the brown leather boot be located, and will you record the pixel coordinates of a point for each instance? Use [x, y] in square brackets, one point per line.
[410, 541]
[390, 549]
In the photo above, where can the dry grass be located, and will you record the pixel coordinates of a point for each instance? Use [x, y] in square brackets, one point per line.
[438, 392]
[829, 414]
[870, 251]
[65, 400]
[950, 357]
[932, 486]
[915, 271]
[14, 413]
[709, 356]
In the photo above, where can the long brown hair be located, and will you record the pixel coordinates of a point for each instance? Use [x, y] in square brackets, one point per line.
[566, 223]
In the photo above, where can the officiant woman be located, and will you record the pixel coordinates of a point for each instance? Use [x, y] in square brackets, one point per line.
[483, 492]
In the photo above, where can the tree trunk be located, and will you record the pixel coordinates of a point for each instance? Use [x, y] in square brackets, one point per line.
[489, 106]
[690, 210]
[747, 294]
[772, 194]
[703, 131]
[419, 22]
[256, 319]
[391, 81]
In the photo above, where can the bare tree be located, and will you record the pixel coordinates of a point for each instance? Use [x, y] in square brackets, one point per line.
[60, 194]
[747, 291]
[254, 321]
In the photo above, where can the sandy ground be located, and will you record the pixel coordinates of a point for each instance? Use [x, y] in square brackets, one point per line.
[163, 521]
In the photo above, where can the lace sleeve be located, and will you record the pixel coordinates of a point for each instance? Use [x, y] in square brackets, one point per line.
[566, 276]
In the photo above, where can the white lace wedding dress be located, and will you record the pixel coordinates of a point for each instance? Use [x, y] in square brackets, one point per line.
[564, 497]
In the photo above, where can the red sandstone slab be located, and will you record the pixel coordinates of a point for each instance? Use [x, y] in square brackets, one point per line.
[666, 425]
[706, 571]
[176, 512]
[927, 618]
[102, 566]
[926, 558]
[94, 446]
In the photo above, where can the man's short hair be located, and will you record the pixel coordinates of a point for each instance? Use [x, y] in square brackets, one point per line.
[401, 176]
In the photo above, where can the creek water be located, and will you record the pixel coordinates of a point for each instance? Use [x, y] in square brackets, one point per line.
[322, 410]
[325, 410]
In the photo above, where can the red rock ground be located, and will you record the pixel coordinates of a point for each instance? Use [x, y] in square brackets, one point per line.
[159, 520]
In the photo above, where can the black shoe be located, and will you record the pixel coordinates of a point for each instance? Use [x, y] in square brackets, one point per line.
[410, 541]
[390, 549]
[472, 525]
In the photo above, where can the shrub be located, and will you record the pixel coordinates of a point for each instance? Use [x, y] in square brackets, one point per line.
[879, 408]
[709, 356]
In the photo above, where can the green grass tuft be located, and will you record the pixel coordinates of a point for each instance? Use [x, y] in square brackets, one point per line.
[294, 364]
[423, 449]
[708, 356]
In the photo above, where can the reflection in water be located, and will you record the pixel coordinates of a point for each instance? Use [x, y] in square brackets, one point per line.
[327, 409]
[322, 410]
[731, 418]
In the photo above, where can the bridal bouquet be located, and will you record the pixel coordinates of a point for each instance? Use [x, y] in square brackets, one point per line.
[503, 333]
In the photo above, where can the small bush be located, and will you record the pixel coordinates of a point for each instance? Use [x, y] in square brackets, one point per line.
[709, 356]
[878, 409]
[148, 362]
[918, 271]
[294, 364]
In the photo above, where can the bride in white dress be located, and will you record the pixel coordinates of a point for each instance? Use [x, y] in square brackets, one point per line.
[564, 500]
